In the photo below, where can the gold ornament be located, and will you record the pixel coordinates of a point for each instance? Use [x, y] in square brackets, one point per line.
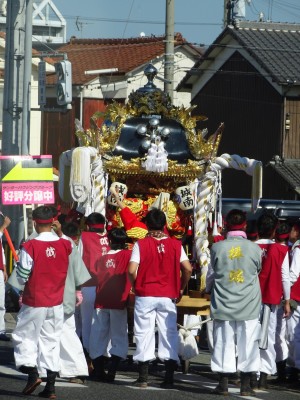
[236, 276]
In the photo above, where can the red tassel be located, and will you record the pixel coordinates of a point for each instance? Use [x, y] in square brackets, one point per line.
[189, 231]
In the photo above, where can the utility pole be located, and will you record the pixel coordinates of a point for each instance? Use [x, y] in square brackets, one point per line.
[27, 79]
[17, 90]
[169, 49]
[228, 12]
[225, 14]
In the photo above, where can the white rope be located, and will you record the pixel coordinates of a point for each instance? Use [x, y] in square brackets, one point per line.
[198, 324]
[205, 189]
[80, 177]
[98, 179]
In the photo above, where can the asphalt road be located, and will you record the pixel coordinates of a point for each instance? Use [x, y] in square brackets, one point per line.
[197, 384]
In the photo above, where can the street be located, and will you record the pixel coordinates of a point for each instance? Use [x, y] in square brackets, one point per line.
[197, 383]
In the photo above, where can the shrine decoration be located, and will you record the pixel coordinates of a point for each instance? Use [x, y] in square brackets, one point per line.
[88, 180]
[159, 157]
[208, 190]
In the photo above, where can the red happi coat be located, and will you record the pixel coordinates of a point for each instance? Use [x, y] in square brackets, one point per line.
[270, 275]
[94, 245]
[46, 283]
[159, 270]
[113, 283]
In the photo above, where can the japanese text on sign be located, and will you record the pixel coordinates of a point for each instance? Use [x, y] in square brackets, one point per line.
[27, 193]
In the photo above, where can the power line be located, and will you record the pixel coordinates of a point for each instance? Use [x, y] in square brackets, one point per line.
[137, 21]
[276, 5]
[234, 72]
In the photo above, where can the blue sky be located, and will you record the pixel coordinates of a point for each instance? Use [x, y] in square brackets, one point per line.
[199, 21]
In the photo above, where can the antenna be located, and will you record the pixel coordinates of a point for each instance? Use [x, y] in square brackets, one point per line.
[79, 25]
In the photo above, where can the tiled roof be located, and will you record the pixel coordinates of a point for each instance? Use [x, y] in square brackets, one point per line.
[274, 46]
[124, 54]
[289, 170]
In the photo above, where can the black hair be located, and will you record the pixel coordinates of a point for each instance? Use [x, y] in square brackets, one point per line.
[235, 217]
[118, 238]
[155, 220]
[266, 224]
[70, 229]
[283, 228]
[62, 219]
[54, 210]
[251, 230]
[44, 213]
[95, 218]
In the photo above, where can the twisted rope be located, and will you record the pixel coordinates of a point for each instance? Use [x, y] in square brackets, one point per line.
[205, 191]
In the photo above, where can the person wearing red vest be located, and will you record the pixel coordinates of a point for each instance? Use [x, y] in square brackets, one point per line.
[275, 284]
[294, 321]
[73, 364]
[93, 244]
[3, 279]
[159, 271]
[43, 268]
[110, 313]
[283, 324]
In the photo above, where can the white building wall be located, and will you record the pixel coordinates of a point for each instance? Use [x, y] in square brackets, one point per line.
[99, 88]
[182, 63]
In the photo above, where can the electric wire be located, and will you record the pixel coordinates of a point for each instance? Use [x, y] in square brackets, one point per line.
[119, 46]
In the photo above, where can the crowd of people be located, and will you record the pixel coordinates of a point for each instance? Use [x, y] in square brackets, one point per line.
[75, 284]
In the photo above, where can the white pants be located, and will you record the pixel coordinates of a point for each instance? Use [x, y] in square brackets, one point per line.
[87, 309]
[281, 344]
[109, 325]
[294, 338]
[210, 334]
[2, 302]
[268, 356]
[72, 358]
[37, 336]
[235, 337]
[147, 311]
[78, 322]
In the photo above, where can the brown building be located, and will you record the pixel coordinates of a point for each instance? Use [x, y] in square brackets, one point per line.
[249, 78]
